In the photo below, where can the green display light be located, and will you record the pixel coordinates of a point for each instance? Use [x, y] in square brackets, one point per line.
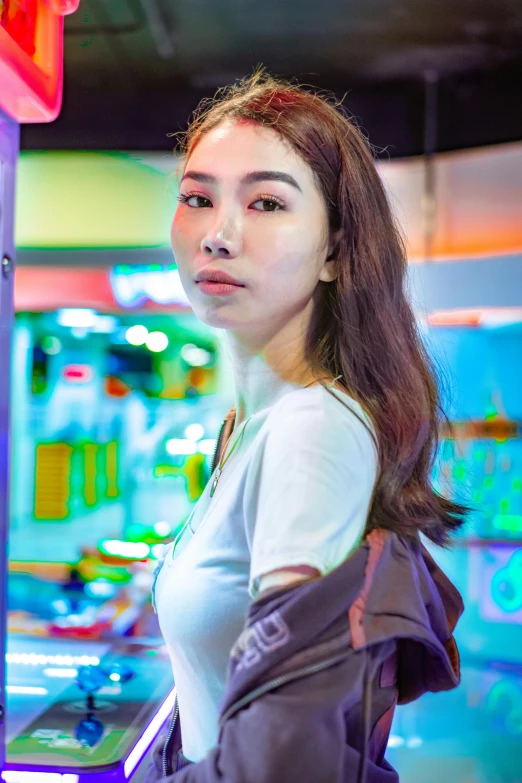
[51, 345]
[137, 531]
[511, 523]
[459, 472]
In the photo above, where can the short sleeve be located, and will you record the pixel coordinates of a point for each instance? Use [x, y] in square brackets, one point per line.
[309, 483]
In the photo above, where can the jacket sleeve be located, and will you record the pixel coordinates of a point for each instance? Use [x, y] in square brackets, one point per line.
[297, 731]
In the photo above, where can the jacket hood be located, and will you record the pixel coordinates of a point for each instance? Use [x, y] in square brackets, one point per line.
[388, 589]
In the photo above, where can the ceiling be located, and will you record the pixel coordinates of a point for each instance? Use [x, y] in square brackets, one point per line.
[135, 69]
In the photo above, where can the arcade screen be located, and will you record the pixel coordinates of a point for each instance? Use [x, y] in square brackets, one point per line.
[115, 418]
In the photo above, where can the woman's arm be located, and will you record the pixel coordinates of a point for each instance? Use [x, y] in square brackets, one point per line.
[288, 576]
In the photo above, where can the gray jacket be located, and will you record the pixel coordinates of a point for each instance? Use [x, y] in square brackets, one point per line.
[314, 677]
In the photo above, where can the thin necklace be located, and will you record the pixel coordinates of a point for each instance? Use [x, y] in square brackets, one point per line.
[223, 462]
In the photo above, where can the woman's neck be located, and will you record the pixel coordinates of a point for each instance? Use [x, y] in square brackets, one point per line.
[267, 365]
[261, 378]
[259, 390]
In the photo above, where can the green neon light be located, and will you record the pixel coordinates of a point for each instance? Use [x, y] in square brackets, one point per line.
[459, 471]
[508, 522]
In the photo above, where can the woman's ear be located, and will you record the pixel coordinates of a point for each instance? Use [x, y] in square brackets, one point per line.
[330, 270]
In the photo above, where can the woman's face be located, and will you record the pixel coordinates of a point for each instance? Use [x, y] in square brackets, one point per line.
[249, 206]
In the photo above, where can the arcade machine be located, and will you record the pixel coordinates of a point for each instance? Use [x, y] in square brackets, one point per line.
[481, 463]
[111, 422]
[113, 413]
[69, 710]
[474, 732]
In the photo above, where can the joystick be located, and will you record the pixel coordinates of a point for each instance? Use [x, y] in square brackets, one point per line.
[89, 730]
[89, 680]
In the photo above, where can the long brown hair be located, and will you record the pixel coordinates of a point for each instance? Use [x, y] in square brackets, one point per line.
[362, 327]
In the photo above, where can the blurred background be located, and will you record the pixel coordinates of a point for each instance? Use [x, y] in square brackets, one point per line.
[118, 391]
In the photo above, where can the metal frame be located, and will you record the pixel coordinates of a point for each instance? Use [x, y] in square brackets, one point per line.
[9, 145]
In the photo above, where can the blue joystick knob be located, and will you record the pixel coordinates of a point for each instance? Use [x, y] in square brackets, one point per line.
[89, 730]
[91, 678]
[118, 672]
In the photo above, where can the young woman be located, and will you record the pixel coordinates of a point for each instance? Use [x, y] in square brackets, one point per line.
[298, 604]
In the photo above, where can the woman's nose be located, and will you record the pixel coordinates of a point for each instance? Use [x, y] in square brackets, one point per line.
[223, 241]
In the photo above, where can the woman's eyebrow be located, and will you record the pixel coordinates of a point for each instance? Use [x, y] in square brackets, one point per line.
[252, 176]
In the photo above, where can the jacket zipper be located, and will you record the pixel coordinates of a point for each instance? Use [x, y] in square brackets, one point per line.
[167, 768]
[282, 680]
[213, 463]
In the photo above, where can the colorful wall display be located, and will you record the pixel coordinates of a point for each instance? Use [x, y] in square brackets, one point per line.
[480, 368]
[109, 200]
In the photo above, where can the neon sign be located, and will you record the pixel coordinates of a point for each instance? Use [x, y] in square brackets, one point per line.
[31, 57]
[134, 286]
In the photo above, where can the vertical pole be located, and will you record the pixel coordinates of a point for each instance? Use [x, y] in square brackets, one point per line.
[431, 85]
[9, 145]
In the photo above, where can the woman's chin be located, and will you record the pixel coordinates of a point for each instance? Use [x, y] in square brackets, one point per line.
[218, 319]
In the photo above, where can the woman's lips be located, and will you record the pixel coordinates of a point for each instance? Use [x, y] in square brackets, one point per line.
[218, 289]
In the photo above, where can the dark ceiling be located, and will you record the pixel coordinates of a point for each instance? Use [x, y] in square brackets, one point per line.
[135, 69]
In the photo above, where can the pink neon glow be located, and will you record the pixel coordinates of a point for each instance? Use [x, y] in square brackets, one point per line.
[77, 373]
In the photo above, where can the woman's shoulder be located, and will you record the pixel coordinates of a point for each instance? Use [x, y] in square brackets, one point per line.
[315, 418]
[329, 407]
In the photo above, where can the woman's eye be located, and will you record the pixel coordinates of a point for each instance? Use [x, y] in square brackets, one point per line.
[195, 198]
[269, 204]
[197, 201]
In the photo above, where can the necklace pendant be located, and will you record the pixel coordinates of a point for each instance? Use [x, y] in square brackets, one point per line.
[215, 482]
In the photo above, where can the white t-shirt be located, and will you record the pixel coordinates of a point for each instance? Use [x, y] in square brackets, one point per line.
[295, 491]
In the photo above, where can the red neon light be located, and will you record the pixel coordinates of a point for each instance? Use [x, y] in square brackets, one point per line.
[77, 373]
[19, 20]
